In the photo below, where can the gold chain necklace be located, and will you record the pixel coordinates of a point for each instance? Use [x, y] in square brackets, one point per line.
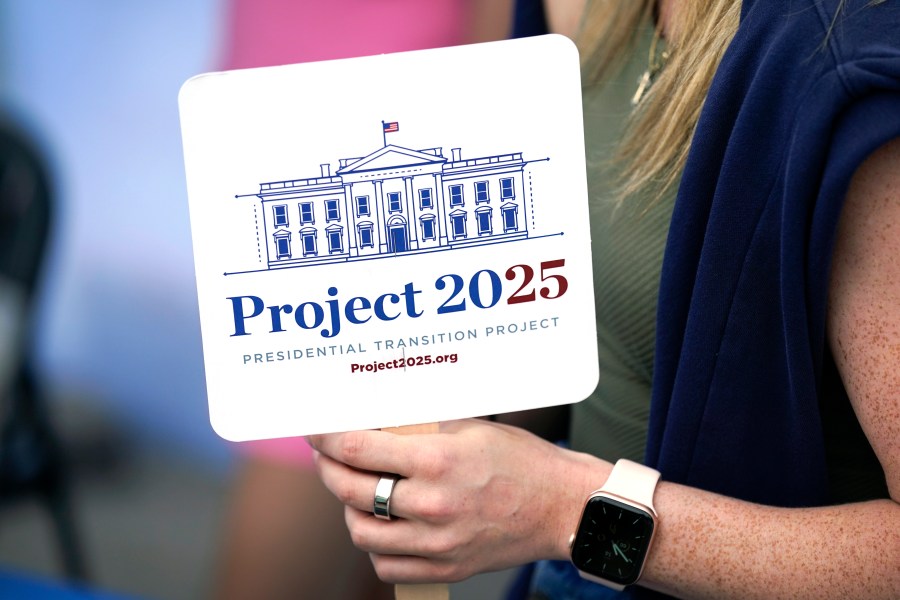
[655, 63]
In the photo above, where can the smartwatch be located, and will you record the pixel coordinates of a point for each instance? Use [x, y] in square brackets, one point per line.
[617, 525]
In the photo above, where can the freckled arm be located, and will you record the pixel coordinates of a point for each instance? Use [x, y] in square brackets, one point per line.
[709, 546]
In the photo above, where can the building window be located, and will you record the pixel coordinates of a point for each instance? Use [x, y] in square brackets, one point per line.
[394, 202]
[365, 235]
[456, 195]
[335, 237]
[481, 192]
[282, 246]
[458, 224]
[425, 200]
[308, 241]
[281, 216]
[510, 217]
[483, 218]
[428, 228]
[332, 212]
[507, 189]
[307, 217]
[362, 206]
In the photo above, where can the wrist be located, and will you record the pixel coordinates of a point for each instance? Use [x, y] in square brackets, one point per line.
[617, 527]
[585, 473]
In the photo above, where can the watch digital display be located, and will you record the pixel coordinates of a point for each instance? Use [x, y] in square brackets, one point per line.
[612, 540]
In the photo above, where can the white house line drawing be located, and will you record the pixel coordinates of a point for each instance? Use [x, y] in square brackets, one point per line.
[394, 201]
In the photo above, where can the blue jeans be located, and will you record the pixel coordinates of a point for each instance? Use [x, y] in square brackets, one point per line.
[559, 580]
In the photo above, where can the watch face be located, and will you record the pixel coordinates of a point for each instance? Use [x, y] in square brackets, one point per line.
[612, 540]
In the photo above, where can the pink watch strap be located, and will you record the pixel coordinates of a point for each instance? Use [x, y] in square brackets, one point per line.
[632, 481]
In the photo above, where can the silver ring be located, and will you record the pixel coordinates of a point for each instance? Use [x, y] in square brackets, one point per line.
[383, 491]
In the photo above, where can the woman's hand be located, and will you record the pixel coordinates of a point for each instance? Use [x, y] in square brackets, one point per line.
[478, 496]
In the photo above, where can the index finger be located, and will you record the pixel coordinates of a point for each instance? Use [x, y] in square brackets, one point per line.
[377, 451]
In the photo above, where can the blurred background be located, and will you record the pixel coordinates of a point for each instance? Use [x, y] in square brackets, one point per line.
[102, 396]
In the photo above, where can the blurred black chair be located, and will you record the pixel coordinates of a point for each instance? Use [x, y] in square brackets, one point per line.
[32, 462]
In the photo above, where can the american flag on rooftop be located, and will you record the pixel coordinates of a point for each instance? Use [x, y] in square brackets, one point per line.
[391, 127]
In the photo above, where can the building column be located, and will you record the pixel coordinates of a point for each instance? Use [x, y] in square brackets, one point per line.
[264, 241]
[411, 212]
[522, 198]
[381, 221]
[442, 209]
[351, 220]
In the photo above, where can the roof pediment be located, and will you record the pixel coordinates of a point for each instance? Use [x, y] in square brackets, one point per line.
[391, 157]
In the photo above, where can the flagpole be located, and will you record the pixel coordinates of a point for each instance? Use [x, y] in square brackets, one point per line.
[383, 135]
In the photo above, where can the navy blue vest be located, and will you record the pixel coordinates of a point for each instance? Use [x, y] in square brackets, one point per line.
[741, 373]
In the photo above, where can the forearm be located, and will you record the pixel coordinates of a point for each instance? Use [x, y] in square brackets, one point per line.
[710, 546]
[482, 496]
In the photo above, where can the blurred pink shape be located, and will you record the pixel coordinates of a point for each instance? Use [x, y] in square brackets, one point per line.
[277, 32]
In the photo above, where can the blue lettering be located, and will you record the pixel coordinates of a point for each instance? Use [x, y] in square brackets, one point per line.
[276, 316]
[379, 306]
[335, 315]
[312, 315]
[300, 315]
[237, 307]
[409, 293]
[350, 310]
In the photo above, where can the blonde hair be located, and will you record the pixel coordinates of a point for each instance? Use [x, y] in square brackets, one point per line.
[654, 148]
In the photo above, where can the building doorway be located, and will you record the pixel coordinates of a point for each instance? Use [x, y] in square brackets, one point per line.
[398, 240]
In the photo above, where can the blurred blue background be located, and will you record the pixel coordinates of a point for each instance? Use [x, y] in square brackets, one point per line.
[95, 83]
[115, 340]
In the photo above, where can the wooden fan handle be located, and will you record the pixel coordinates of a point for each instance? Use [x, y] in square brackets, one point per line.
[419, 591]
